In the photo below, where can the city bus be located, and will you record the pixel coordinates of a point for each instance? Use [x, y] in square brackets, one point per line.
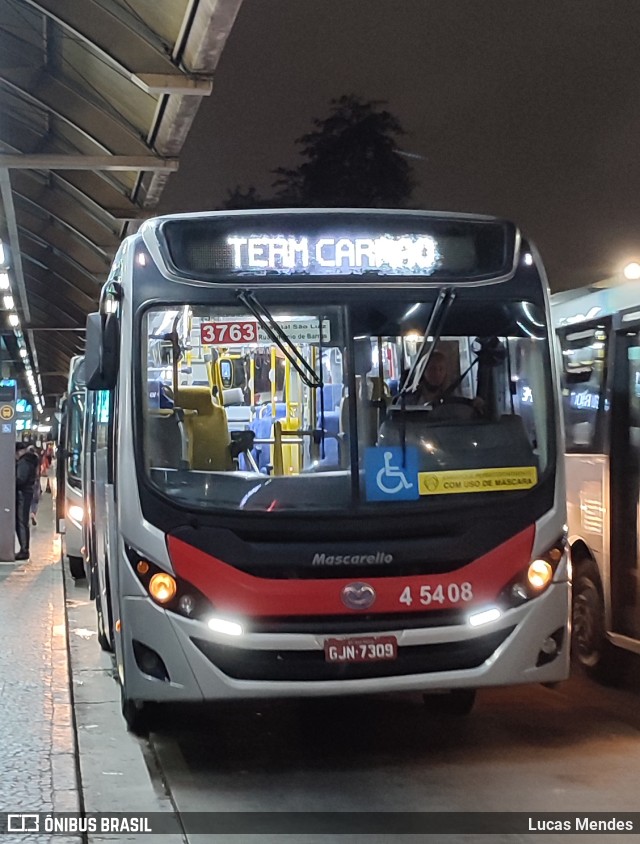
[69, 494]
[599, 332]
[94, 472]
[279, 514]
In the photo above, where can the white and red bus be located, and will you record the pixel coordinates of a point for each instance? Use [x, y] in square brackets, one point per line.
[599, 331]
[69, 491]
[281, 511]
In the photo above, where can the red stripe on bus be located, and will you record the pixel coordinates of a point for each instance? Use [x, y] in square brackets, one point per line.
[235, 592]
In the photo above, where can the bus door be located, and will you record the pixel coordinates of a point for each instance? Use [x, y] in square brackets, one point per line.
[625, 483]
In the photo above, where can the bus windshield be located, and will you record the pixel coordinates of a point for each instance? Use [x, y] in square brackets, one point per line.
[344, 406]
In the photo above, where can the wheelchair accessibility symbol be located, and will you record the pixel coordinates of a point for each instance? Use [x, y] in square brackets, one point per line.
[391, 474]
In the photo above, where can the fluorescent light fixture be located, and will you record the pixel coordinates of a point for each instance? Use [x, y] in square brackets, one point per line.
[222, 625]
[14, 320]
[8, 302]
[484, 617]
[23, 353]
[528, 259]
[4, 281]
[2, 253]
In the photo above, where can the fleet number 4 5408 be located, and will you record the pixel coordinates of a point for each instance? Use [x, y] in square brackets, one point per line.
[452, 593]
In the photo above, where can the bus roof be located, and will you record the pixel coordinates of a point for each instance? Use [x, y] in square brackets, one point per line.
[587, 303]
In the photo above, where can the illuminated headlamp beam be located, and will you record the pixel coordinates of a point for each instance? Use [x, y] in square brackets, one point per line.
[223, 625]
[484, 617]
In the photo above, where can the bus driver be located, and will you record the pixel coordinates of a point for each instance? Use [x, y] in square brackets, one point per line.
[433, 383]
[434, 388]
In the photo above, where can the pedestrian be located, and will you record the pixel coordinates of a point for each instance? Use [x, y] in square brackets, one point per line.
[37, 489]
[26, 472]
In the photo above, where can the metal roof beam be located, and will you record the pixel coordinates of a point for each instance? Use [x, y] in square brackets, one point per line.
[127, 51]
[59, 238]
[53, 251]
[14, 240]
[93, 192]
[50, 215]
[78, 303]
[47, 161]
[66, 205]
[41, 292]
[98, 123]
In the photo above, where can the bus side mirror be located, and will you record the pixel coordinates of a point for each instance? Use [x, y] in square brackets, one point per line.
[102, 351]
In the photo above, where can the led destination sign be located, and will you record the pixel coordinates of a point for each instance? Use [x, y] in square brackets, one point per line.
[339, 244]
[406, 253]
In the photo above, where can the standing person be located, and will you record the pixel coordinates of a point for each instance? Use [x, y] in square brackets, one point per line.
[26, 471]
[37, 489]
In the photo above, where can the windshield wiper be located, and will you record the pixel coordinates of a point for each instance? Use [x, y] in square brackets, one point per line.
[280, 338]
[431, 336]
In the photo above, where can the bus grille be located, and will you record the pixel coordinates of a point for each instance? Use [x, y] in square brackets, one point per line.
[286, 665]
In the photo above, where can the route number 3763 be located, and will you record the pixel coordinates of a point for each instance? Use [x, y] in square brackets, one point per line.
[452, 593]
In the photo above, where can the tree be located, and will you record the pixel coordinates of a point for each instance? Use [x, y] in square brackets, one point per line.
[352, 160]
[239, 199]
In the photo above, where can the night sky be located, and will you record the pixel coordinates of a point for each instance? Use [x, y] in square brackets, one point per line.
[528, 110]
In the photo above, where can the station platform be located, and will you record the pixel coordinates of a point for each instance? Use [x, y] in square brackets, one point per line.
[63, 741]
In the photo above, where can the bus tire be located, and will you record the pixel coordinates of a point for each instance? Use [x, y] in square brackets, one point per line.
[103, 639]
[457, 702]
[135, 714]
[76, 567]
[591, 651]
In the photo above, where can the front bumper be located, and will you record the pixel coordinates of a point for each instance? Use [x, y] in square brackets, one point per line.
[203, 665]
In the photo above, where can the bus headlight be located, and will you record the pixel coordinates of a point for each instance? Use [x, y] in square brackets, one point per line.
[187, 604]
[540, 574]
[162, 588]
[169, 591]
[535, 579]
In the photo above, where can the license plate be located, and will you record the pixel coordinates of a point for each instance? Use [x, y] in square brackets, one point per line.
[361, 649]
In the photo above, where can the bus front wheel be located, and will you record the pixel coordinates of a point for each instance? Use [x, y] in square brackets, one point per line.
[103, 639]
[456, 702]
[135, 714]
[76, 567]
[590, 648]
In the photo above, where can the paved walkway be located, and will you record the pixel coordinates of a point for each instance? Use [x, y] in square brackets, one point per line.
[37, 738]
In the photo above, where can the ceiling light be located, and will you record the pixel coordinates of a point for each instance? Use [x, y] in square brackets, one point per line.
[14, 320]
[632, 271]
[23, 353]
[8, 302]
[4, 281]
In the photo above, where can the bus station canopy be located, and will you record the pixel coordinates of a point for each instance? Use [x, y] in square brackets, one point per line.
[96, 100]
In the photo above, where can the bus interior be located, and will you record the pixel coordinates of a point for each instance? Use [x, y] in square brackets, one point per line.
[258, 394]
